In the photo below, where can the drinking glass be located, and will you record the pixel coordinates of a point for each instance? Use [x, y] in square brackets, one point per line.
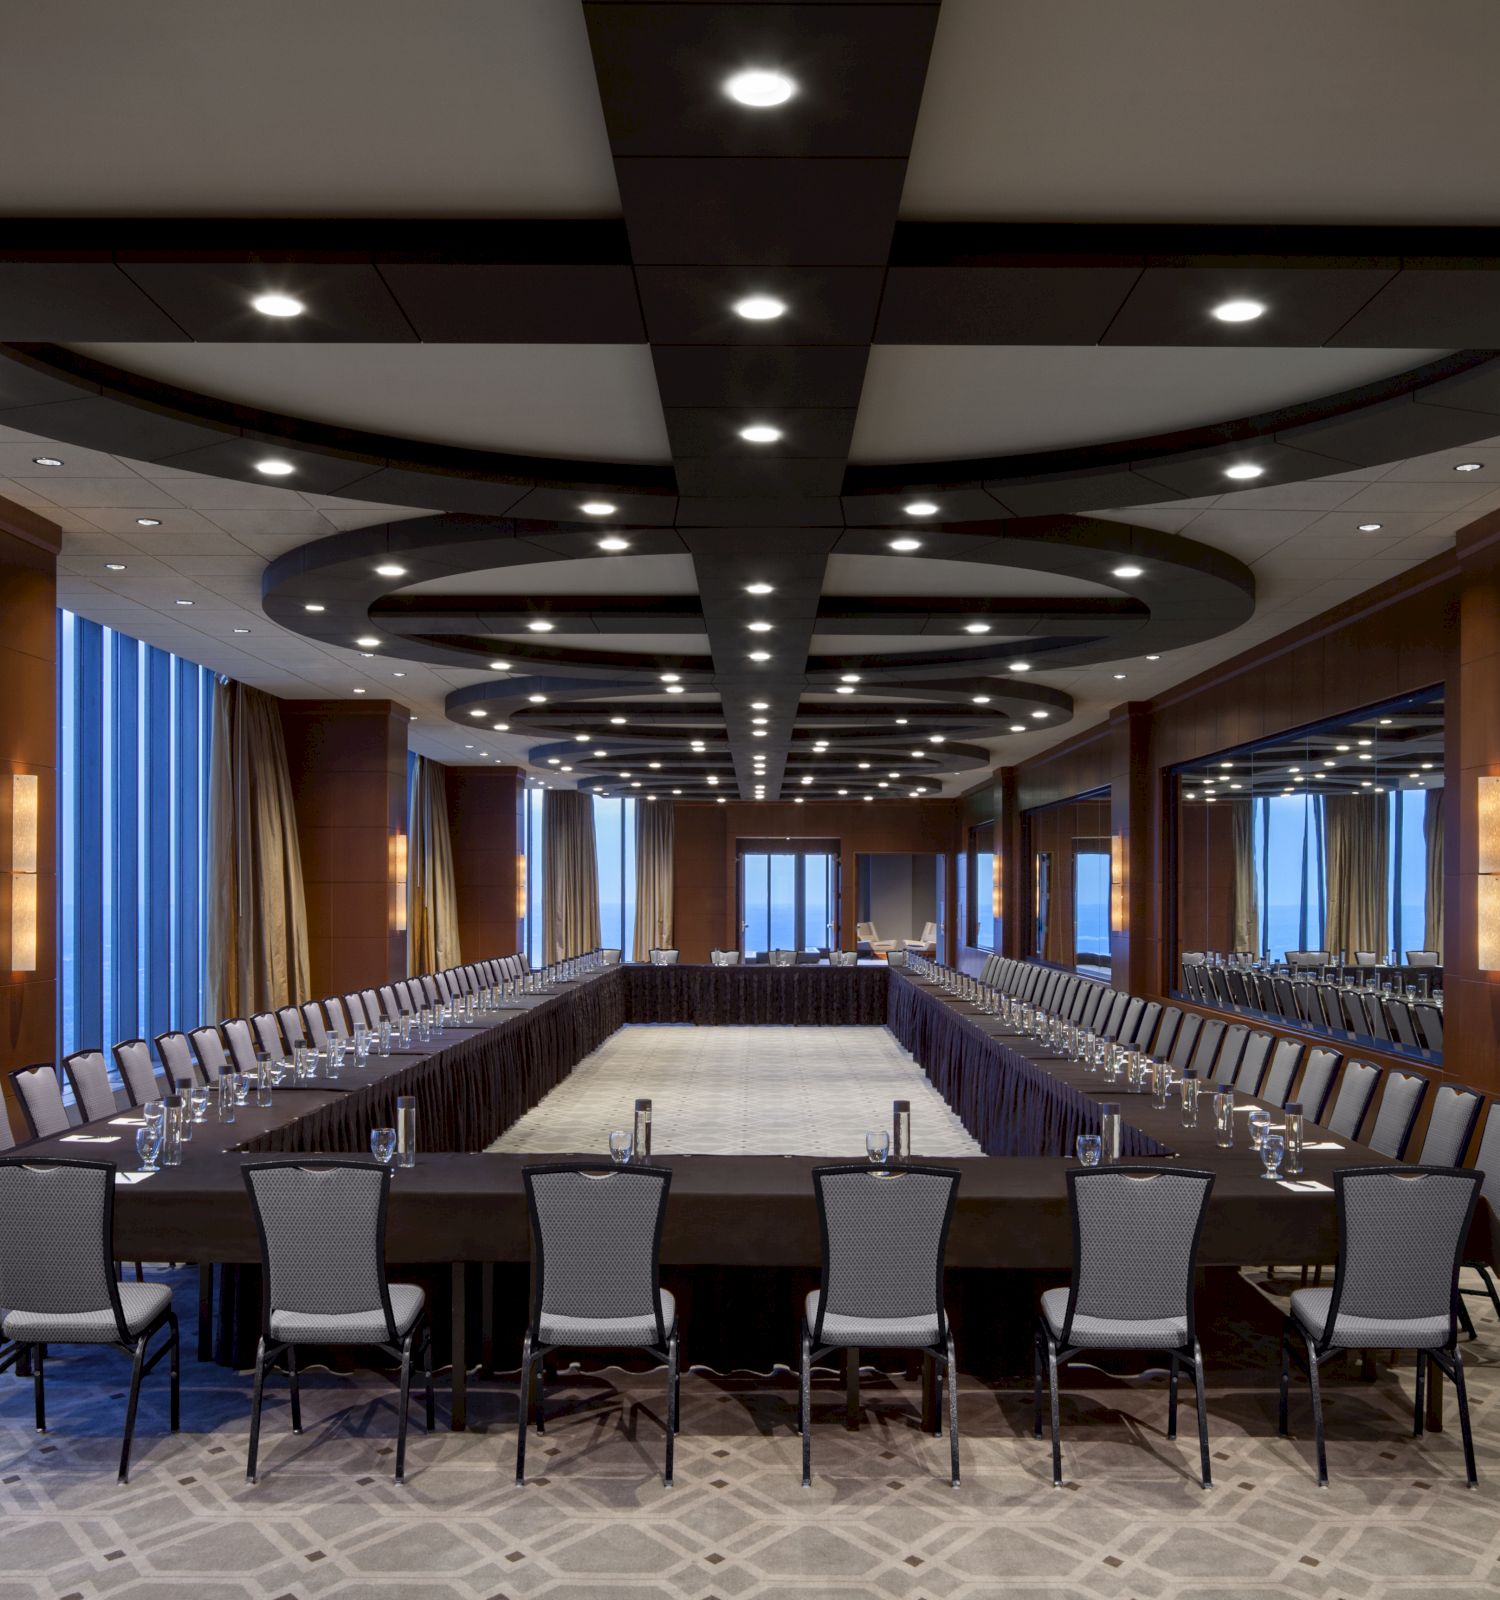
[1259, 1121]
[1224, 1120]
[1090, 1147]
[241, 1088]
[336, 1048]
[148, 1145]
[383, 1145]
[154, 1111]
[878, 1146]
[1272, 1148]
[198, 1102]
[619, 1146]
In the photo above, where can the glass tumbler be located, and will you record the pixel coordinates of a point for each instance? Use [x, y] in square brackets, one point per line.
[1272, 1148]
[878, 1146]
[1259, 1121]
[1090, 1148]
[619, 1146]
[383, 1145]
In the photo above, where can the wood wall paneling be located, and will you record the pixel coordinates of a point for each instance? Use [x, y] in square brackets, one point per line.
[487, 828]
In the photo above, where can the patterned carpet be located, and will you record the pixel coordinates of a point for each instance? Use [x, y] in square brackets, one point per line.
[879, 1520]
[725, 1091]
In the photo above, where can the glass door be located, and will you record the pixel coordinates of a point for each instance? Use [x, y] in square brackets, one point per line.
[788, 898]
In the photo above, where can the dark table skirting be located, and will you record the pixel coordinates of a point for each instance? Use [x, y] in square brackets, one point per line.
[719, 997]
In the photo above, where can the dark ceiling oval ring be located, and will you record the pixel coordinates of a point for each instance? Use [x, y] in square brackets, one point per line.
[66, 396]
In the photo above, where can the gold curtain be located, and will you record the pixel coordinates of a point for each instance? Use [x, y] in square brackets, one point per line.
[431, 899]
[570, 874]
[653, 876]
[257, 921]
[1245, 891]
[1357, 841]
[1432, 833]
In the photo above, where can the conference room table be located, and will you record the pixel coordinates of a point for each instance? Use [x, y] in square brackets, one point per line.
[741, 1242]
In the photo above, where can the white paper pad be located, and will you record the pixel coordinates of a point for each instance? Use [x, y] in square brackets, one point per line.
[127, 1122]
[133, 1177]
[1304, 1186]
[91, 1138]
[1324, 1144]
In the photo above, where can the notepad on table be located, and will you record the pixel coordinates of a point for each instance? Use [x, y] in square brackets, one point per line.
[91, 1138]
[1304, 1186]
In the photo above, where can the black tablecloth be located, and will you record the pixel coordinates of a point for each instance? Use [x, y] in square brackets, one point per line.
[756, 996]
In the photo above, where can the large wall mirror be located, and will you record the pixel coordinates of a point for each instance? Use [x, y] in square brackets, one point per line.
[1309, 877]
[1067, 847]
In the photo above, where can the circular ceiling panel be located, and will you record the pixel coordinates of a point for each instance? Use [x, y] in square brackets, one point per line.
[639, 575]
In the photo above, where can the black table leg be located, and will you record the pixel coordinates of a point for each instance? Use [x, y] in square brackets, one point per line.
[487, 1318]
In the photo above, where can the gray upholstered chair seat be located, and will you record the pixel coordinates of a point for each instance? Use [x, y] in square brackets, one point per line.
[142, 1304]
[1310, 1312]
[897, 1333]
[349, 1327]
[609, 1331]
[1113, 1333]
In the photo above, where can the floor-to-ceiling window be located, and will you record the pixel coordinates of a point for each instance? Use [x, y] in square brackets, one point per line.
[789, 899]
[1291, 871]
[134, 726]
[614, 846]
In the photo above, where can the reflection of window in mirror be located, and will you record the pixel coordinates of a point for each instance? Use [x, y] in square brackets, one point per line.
[1091, 883]
[1043, 899]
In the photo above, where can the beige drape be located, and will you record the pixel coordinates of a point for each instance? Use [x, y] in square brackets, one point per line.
[1245, 892]
[570, 874]
[653, 876]
[257, 921]
[1357, 830]
[431, 899]
[1432, 834]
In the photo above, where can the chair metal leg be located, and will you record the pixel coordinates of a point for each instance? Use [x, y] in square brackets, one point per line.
[1036, 1388]
[1317, 1407]
[130, 1407]
[1489, 1287]
[1416, 1419]
[1056, 1415]
[524, 1395]
[401, 1414]
[37, 1388]
[539, 1388]
[291, 1372]
[1198, 1386]
[255, 1399]
[427, 1370]
[671, 1405]
[1465, 1321]
[1172, 1397]
[175, 1371]
[1286, 1376]
[851, 1387]
[953, 1410]
[1461, 1394]
[806, 1393]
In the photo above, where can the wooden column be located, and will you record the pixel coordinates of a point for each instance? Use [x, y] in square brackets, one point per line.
[28, 748]
[487, 826]
[348, 768]
[1135, 852]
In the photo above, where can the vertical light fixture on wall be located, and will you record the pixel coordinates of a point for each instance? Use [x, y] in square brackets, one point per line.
[24, 805]
[398, 878]
[1488, 893]
[1116, 884]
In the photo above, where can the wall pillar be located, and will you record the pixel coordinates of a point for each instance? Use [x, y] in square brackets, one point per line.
[486, 823]
[1135, 853]
[347, 761]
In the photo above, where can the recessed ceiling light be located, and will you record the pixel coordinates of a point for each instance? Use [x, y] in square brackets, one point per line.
[920, 508]
[1153, 658]
[1020, 666]
[760, 655]
[597, 508]
[759, 588]
[312, 605]
[359, 691]
[389, 569]
[184, 602]
[671, 677]
[1119, 676]
[900, 722]
[1463, 466]
[760, 705]
[760, 88]
[499, 666]
[1239, 311]
[1242, 470]
[618, 722]
[367, 643]
[273, 467]
[148, 522]
[1385, 722]
[844, 688]
[1127, 571]
[905, 546]
[760, 433]
[867, 797]
[47, 461]
[976, 627]
[757, 733]
[553, 761]
[675, 688]
[1369, 527]
[114, 566]
[849, 677]
[759, 308]
[1041, 716]
[479, 711]
[759, 627]
[935, 738]
[600, 754]
[541, 625]
[614, 543]
[981, 699]
[655, 766]
[759, 722]
[537, 699]
[278, 305]
[1018, 727]
[864, 766]
[242, 630]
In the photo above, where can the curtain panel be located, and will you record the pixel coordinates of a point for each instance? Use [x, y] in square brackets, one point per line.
[653, 876]
[1244, 889]
[1432, 834]
[570, 875]
[431, 898]
[257, 923]
[1357, 830]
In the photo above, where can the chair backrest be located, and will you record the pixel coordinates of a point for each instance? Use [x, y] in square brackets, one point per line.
[268, 1037]
[929, 932]
[1429, 1024]
[390, 1006]
[1145, 1029]
[338, 1018]
[40, 1096]
[1366, 958]
[1399, 1105]
[611, 955]
[176, 1056]
[406, 999]
[1317, 1082]
[431, 991]
[57, 1238]
[317, 1027]
[354, 1005]
[1166, 1032]
[1131, 1020]
[240, 1038]
[445, 989]
[866, 931]
[596, 1241]
[1455, 1110]
[1187, 1040]
[1356, 1090]
[1227, 1062]
[1210, 1037]
[1277, 1087]
[1307, 958]
[292, 1030]
[1422, 958]
[1252, 1067]
[1399, 1019]
[335, 1264]
[93, 1093]
[1116, 1018]
[1135, 1243]
[1487, 1161]
[885, 1233]
[373, 1008]
[1401, 1237]
[137, 1073]
[208, 1046]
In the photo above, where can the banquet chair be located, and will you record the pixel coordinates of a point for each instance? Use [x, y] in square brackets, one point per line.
[836, 958]
[338, 1018]
[1234, 980]
[1277, 1087]
[1487, 1165]
[1399, 1106]
[1206, 1051]
[1186, 1041]
[431, 994]
[354, 1007]
[1135, 1245]
[268, 1036]
[1354, 1017]
[57, 1280]
[596, 1278]
[885, 1233]
[240, 1037]
[317, 1027]
[724, 958]
[1365, 959]
[208, 1047]
[88, 1077]
[1286, 998]
[137, 1073]
[1231, 1048]
[373, 1009]
[1130, 1020]
[1401, 1234]
[1145, 1028]
[176, 1056]
[1399, 1019]
[665, 958]
[292, 1030]
[405, 998]
[1251, 1070]
[1218, 980]
[40, 1097]
[1455, 1111]
[1356, 1091]
[1166, 1033]
[867, 932]
[1307, 958]
[1376, 1025]
[1429, 1023]
[390, 1006]
[1422, 958]
[1317, 1082]
[327, 1285]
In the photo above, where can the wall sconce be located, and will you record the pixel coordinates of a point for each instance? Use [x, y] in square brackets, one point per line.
[1488, 896]
[398, 877]
[25, 801]
[520, 886]
[1117, 883]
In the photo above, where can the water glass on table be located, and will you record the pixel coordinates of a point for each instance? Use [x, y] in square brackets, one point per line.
[1259, 1120]
[383, 1145]
[1272, 1148]
[1090, 1149]
[198, 1104]
[148, 1145]
[619, 1146]
[241, 1084]
[878, 1146]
